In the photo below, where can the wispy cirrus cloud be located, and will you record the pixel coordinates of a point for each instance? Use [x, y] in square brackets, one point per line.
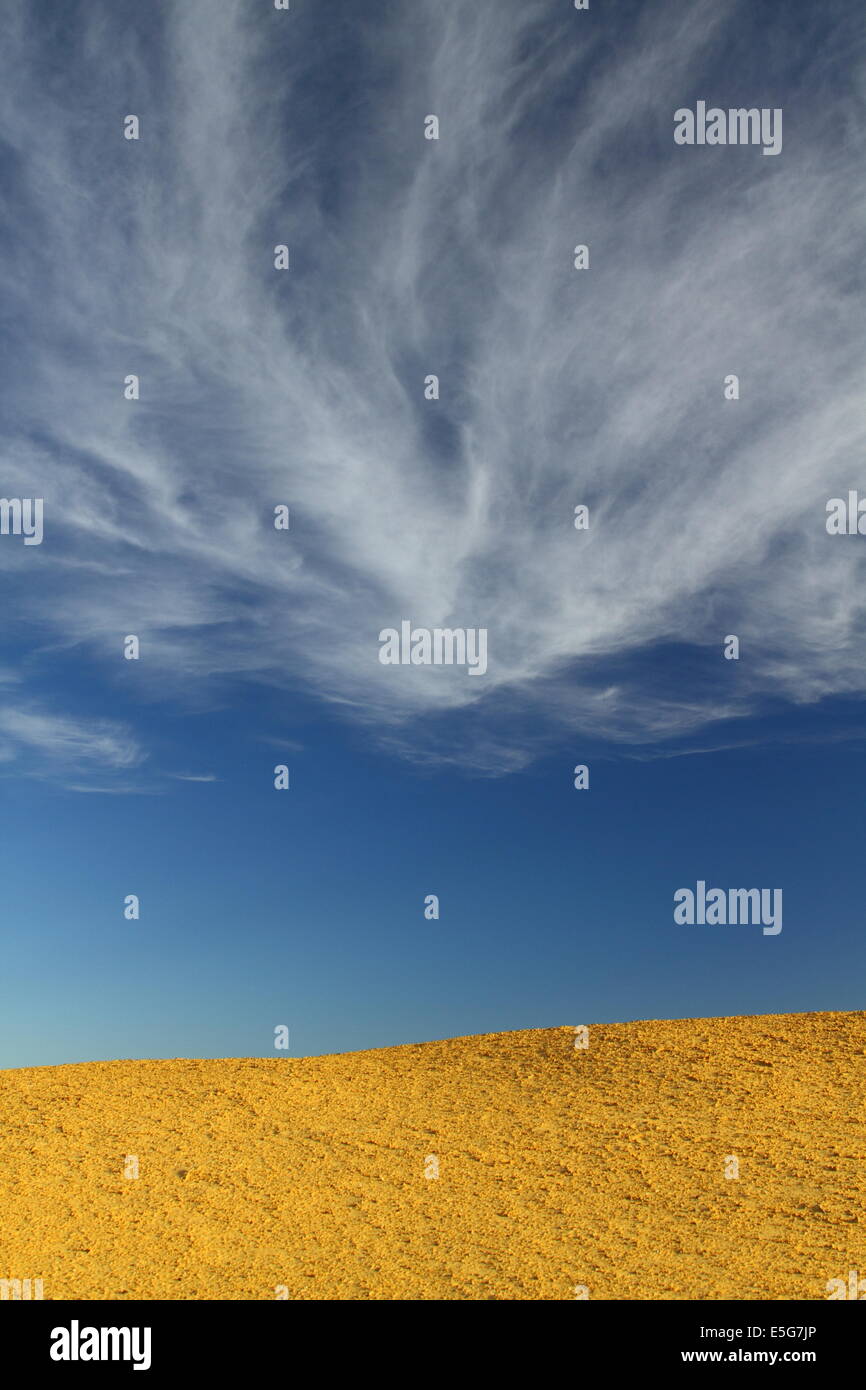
[49, 743]
[454, 257]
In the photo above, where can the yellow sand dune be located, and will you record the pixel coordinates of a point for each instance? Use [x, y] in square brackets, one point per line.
[557, 1168]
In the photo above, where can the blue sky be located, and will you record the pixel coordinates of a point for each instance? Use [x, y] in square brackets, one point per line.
[305, 387]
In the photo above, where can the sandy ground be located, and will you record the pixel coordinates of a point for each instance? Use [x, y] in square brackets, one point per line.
[557, 1168]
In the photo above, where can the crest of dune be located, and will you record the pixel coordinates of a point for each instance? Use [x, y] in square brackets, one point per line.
[716, 1158]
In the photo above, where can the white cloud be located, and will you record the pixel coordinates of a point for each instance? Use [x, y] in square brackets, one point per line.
[68, 743]
[453, 257]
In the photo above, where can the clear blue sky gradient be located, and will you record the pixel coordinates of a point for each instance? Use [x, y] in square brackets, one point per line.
[305, 907]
